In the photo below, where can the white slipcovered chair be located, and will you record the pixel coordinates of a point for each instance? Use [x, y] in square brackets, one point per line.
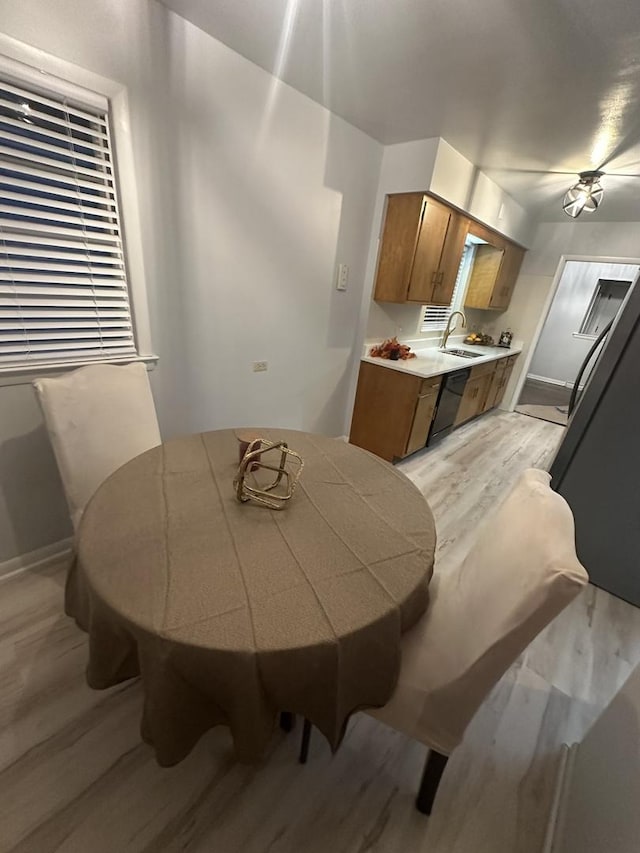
[520, 573]
[98, 418]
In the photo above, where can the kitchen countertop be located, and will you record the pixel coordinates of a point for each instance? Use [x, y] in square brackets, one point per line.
[429, 361]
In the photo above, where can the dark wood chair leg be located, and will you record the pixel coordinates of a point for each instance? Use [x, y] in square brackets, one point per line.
[304, 745]
[287, 721]
[433, 770]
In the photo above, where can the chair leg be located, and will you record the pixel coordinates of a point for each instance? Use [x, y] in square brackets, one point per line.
[304, 745]
[433, 770]
[287, 721]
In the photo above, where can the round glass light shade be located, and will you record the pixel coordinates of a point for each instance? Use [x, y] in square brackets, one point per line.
[585, 195]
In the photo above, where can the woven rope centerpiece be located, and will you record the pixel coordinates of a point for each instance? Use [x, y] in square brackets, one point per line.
[258, 455]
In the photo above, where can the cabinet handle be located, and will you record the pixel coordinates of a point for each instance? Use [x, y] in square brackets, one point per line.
[436, 280]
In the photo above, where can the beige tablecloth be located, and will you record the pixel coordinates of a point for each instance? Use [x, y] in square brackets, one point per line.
[232, 612]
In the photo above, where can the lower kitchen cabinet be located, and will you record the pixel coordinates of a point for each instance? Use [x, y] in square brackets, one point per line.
[475, 392]
[393, 411]
[497, 386]
[500, 380]
[423, 416]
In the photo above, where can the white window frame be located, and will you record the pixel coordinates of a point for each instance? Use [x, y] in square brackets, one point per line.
[581, 333]
[36, 67]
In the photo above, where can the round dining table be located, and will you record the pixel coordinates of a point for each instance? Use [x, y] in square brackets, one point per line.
[233, 612]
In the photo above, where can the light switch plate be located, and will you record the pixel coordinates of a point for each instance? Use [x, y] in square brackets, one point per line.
[343, 277]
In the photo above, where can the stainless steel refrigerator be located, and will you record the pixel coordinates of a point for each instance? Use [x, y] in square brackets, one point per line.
[597, 466]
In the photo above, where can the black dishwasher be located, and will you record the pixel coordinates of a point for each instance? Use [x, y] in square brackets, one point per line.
[448, 404]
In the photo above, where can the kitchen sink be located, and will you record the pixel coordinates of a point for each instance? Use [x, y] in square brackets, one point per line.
[462, 353]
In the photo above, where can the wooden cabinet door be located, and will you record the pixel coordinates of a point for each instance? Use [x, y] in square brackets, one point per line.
[469, 402]
[450, 260]
[506, 376]
[422, 422]
[496, 380]
[393, 411]
[429, 249]
[484, 275]
[384, 410]
[398, 245]
[484, 384]
[500, 380]
[495, 270]
[475, 393]
[507, 277]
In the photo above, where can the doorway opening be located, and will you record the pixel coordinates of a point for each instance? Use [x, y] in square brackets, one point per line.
[587, 299]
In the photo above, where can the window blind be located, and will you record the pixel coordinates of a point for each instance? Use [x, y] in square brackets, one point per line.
[436, 317]
[63, 287]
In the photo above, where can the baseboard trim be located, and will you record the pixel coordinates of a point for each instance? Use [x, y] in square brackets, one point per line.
[560, 797]
[37, 559]
[549, 380]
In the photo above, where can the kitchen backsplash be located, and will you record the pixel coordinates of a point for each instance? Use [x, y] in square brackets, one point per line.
[388, 320]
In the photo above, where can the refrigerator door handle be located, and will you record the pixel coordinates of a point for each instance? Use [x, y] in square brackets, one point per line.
[573, 400]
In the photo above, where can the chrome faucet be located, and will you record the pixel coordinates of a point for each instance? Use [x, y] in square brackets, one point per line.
[448, 330]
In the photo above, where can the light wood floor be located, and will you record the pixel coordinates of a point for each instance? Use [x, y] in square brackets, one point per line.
[74, 776]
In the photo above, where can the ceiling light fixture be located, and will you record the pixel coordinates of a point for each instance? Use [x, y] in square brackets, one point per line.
[585, 195]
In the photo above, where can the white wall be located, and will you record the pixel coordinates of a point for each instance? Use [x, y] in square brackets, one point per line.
[458, 181]
[533, 290]
[250, 193]
[559, 354]
[271, 192]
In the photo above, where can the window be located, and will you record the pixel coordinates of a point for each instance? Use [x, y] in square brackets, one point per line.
[605, 303]
[64, 297]
[434, 318]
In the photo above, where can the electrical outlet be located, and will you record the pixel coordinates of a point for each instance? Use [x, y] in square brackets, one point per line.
[259, 366]
[343, 277]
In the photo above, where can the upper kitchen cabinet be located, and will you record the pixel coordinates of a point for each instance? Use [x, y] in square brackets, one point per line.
[420, 252]
[496, 265]
[507, 277]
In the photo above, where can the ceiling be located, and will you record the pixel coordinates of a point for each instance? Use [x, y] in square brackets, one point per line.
[523, 88]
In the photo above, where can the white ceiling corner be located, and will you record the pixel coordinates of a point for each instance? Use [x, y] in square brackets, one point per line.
[525, 89]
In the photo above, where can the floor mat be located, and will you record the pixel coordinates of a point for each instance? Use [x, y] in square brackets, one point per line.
[536, 393]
